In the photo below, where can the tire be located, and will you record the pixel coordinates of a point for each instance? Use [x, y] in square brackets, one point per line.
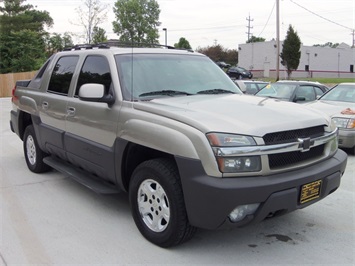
[157, 203]
[33, 154]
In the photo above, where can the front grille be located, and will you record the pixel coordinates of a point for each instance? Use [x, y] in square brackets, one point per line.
[290, 158]
[293, 135]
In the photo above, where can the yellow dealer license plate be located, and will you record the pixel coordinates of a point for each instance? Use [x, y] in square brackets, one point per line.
[310, 191]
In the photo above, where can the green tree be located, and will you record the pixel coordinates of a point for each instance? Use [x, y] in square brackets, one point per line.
[291, 54]
[328, 44]
[231, 56]
[98, 35]
[21, 51]
[15, 17]
[56, 42]
[67, 40]
[183, 44]
[219, 53]
[255, 39]
[137, 21]
[91, 14]
[22, 36]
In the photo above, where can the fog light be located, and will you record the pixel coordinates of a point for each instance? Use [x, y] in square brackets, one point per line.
[241, 211]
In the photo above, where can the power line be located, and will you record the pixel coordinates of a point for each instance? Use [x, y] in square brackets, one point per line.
[267, 22]
[331, 21]
[63, 2]
[208, 28]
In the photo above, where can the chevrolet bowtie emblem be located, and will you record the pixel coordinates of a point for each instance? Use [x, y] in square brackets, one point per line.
[305, 144]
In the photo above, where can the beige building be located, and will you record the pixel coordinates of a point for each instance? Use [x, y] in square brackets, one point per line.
[260, 57]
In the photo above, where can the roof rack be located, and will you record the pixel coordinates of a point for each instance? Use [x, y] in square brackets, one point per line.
[117, 43]
[87, 47]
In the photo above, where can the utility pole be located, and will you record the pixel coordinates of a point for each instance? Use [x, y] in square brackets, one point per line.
[277, 39]
[353, 34]
[166, 36]
[249, 27]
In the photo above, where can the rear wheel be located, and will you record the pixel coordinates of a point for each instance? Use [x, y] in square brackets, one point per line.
[157, 203]
[33, 154]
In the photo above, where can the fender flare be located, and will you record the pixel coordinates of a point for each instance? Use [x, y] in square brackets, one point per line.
[159, 137]
[29, 105]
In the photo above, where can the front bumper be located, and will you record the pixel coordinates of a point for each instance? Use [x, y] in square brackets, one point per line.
[209, 200]
[346, 138]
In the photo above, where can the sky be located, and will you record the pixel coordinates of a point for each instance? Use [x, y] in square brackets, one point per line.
[208, 22]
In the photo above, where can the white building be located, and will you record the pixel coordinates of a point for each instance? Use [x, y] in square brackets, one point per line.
[325, 62]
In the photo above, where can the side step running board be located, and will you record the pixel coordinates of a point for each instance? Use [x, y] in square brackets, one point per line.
[82, 177]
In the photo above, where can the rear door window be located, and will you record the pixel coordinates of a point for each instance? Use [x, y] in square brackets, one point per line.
[62, 75]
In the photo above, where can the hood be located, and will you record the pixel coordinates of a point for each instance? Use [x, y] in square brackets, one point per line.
[332, 108]
[242, 114]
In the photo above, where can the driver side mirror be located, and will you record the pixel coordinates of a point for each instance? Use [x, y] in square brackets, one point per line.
[94, 92]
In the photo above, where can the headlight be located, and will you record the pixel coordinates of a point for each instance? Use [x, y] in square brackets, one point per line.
[342, 122]
[235, 164]
[229, 140]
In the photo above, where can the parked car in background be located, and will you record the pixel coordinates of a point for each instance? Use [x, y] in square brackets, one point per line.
[293, 91]
[332, 103]
[222, 64]
[239, 73]
[250, 86]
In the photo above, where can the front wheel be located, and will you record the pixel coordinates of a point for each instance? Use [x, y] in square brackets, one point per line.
[33, 154]
[157, 203]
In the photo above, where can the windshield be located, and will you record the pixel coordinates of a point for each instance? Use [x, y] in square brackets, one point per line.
[241, 69]
[277, 90]
[145, 76]
[341, 93]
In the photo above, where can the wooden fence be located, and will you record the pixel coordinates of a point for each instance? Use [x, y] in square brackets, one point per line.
[7, 81]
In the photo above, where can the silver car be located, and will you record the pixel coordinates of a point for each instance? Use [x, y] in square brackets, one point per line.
[332, 103]
[250, 86]
[293, 91]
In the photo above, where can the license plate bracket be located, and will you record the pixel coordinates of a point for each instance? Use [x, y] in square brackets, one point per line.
[310, 191]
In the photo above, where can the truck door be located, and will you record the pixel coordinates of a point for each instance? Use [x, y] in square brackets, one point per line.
[53, 105]
[91, 126]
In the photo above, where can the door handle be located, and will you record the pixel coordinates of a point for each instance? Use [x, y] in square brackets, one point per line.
[71, 111]
[45, 105]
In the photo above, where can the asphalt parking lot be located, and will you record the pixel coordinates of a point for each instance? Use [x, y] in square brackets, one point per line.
[50, 219]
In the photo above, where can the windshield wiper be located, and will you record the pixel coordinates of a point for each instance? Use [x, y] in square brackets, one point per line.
[164, 92]
[277, 98]
[215, 91]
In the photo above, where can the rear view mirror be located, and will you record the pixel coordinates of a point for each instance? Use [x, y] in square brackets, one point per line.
[299, 99]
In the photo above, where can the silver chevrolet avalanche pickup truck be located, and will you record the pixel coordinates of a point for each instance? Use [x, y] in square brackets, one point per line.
[171, 129]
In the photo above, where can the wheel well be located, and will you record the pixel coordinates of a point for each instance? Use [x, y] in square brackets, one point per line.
[24, 120]
[136, 154]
